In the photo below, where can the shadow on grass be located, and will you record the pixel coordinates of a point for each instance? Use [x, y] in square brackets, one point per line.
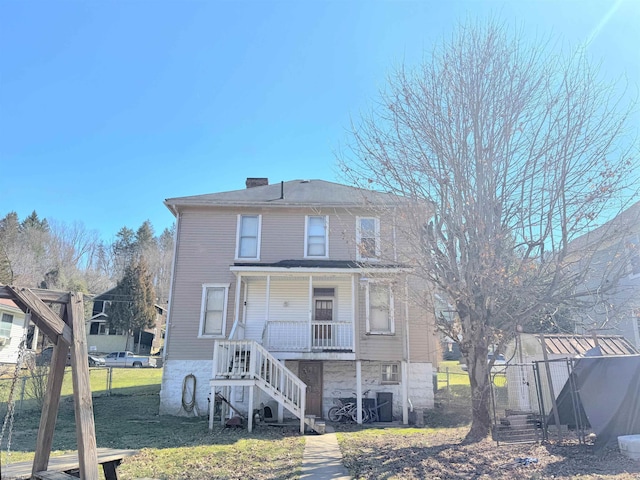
[576, 460]
[419, 454]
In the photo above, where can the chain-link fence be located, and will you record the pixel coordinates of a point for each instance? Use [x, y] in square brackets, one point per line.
[30, 387]
[452, 398]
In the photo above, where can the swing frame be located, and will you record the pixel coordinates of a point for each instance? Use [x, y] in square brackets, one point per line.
[67, 331]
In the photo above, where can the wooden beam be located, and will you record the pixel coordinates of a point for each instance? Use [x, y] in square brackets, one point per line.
[50, 407]
[49, 296]
[42, 315]
[85, 424]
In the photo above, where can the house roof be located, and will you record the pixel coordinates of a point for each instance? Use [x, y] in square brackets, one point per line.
[294, 193]
[580, 344]
[620, 226]
[9, 304]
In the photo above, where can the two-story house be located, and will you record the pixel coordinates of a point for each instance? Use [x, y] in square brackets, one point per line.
[297, 291]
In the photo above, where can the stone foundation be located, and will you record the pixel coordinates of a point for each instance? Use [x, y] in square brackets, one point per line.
[339, 381]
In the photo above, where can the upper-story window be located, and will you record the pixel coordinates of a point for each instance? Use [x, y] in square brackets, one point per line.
[367, 238]
[248, 246]
[379, 300]
[316, 238]
[214, 310]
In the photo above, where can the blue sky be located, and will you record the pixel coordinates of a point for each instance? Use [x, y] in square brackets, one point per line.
[109, 107]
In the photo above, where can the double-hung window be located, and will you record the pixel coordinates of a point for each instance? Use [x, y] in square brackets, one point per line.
[98, 328]
[390, 373]
[214, 310]
[316, 238]
[5, 325]
[367, 238]
[248, 234]
[379, 311]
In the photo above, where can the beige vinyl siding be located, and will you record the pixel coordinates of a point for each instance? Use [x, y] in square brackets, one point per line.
[423, 339]
[381, 347]
[282, 235]
[206, 249]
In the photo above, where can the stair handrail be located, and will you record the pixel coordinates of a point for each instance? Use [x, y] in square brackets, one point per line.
[283, 380]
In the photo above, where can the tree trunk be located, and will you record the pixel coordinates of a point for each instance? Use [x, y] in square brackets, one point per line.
[478, 368]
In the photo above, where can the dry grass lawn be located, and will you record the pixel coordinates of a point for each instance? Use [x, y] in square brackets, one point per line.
[439, 454]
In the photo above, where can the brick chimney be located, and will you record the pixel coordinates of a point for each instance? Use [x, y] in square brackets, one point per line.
[256, 182]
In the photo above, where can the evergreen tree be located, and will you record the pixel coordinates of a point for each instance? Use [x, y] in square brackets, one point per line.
[33, 221]
[123, 250]
[133, 307]
[145, 239]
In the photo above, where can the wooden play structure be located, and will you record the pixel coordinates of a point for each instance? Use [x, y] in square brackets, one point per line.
[60, 316]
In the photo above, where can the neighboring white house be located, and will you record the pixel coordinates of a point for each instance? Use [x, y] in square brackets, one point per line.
[616, 257]
[11, 330]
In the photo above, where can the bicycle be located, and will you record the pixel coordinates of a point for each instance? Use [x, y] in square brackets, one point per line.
[345, 411]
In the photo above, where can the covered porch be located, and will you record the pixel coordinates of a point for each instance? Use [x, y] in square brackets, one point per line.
[297, 311]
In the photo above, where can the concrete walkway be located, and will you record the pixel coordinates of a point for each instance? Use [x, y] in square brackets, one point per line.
[322, 458]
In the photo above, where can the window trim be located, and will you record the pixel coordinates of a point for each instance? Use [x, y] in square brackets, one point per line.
[203, 306]
[396, 374]
[239, 238]
[326, 236]
[392, 325]
[376, 238]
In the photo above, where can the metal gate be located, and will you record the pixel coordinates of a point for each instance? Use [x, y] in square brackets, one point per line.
[523, 399]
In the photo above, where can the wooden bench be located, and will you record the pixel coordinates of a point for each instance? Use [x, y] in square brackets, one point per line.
[65, 467]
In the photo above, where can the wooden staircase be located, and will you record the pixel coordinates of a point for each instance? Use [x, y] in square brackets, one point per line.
[245, 363]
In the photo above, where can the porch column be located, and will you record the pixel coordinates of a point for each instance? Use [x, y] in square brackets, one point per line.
[310, 336]
[250, 409]
[353, 312]
[359, 392]
[212, 404]
[236, 318]
[266, 332]
[405, 393]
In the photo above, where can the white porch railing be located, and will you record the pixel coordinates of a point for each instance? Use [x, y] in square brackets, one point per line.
[297, 336]
[247, 360]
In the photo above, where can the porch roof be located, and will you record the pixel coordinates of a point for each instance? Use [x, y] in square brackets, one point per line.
[318, 266]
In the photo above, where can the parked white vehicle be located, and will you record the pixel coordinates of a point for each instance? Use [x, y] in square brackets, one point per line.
[129, 359]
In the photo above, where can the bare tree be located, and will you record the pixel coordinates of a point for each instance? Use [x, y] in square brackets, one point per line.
[512, 152]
